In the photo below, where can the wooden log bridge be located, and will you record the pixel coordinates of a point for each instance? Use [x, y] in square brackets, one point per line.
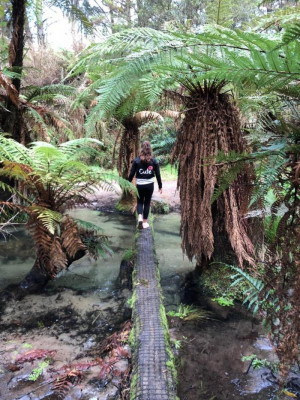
[154, 373]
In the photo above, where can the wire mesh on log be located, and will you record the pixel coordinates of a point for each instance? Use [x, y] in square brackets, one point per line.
[154, 379]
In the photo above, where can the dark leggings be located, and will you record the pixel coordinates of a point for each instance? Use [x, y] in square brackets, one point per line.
[143, 201]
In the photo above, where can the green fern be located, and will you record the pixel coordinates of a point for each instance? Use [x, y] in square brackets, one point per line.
[220, 12]
[50, 218]
[292, 33]
[226, 178]
[73, 12]
[154, 61]
[255, 287]
[55, 175]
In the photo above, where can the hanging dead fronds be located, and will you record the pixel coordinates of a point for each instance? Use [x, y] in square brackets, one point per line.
[70, 238]
[10, 89]
[211, 125]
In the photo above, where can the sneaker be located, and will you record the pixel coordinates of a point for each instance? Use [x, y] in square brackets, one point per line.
[140, 221]
[145, 225]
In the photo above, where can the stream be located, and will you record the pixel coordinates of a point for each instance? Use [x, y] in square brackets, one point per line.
[84, 305]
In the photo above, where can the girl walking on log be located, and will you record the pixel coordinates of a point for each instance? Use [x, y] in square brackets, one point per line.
[145, 168]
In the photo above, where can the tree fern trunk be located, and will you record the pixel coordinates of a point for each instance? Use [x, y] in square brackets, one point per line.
[16, 47]
[38, 278]
[53, 253]
[129, 150]
[211, 125]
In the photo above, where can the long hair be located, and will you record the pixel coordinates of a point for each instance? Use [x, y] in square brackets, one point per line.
[146, 152]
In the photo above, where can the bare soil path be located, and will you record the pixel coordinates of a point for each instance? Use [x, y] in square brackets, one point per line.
[107, 200]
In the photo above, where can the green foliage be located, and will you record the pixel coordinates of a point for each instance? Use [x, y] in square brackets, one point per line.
[226, 178]
[38, 371]
[58, 170]
[160, 207]
[251, 295]
[220, 12]
[216, 283]
[157, 61]
[292, 33]
[189, 312]
[128, 255]
[162, 144]
[169, 172]
[271, 225]
[224, 301]
[258, 363]
[27, 346]
[75, 12]
[131, 301]
[176, 343]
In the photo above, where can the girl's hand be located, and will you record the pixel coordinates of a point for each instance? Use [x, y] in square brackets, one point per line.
[160, 191]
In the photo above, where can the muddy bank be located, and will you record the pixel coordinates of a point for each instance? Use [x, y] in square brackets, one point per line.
[209, 360]
[68, 324]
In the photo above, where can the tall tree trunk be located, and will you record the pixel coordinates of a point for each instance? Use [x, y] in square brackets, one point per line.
[13, 120]
[140, 12]
[128, 6]
[16, 47]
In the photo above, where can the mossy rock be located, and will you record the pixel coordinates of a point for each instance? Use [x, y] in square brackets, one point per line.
[160, 207]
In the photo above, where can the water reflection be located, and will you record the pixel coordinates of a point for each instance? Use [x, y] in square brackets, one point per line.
[17, 254]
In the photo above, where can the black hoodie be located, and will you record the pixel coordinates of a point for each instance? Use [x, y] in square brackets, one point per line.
[145, 172]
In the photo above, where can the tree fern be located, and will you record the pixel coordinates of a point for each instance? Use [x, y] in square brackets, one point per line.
[56, 179]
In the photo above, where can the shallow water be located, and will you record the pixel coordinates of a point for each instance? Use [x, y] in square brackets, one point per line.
[90, 307]
[17, 254]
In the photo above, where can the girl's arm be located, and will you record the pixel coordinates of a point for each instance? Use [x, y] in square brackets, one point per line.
[157, 174]
[132, 171]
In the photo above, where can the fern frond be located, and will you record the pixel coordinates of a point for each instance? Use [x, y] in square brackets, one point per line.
[226, 178]
[50, 219]
[253, 291]
[13, 151]
[73, 12]
[256, 283]
[278, 18]
[88, 226]
[38, 119]
[292, 33]
[46, 93]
